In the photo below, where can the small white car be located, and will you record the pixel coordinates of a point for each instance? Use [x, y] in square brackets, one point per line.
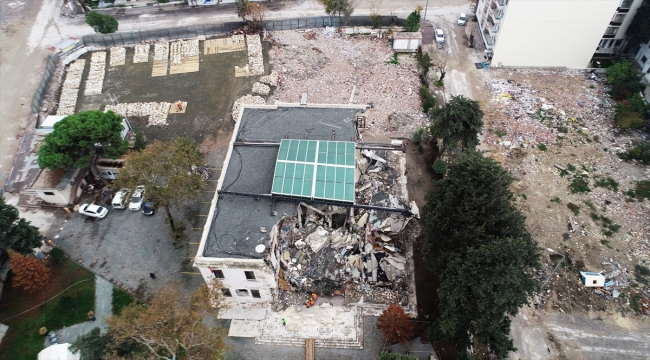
[121, 198]
[137, 199]
[462, 19]
[93, 210]
[440, 37]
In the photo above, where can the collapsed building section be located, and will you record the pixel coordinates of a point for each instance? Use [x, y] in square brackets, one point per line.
[303, 208]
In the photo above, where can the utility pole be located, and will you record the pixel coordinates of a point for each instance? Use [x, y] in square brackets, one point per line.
[425, 12]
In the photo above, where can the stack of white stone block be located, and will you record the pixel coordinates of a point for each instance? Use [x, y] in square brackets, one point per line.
[157, 111]
[95, 80]
[70, 89]
[255, 57]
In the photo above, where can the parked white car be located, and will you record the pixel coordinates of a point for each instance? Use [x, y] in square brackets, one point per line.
[121, 198]
[440, 37]
[137, 199]
[462, 19]
[93, 210]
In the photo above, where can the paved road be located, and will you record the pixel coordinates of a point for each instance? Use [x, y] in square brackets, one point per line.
[555, 336]
[103, 309]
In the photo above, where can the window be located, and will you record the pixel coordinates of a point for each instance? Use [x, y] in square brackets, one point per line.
[250, 275]
[48, 193]
[218, 274]
[594, 282]
[242, 292]
[644, 59]
[611, 30]
[226, 292]
[256, 294]
[626, 4]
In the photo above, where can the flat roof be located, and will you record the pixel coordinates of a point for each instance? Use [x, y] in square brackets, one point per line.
[234, 229]
[50, 120]
[408, 35]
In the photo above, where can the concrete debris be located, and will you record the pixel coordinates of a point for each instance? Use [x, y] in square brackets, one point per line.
[318, 239]
[141, 54]
[255, 57]
[270, 79]
[414, 209]
[118, 56]
[70, 89]
[157, 112]
[336, 68]
[95, 80]
[245, 100]
[261, 89]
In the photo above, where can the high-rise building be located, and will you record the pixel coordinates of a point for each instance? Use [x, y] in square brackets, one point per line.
[553, 33]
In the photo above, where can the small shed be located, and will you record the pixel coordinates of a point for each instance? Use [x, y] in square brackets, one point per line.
[592, 279]
[47, 126]
[407, 41]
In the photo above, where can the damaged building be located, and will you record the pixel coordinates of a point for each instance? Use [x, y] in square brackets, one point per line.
[303, 207]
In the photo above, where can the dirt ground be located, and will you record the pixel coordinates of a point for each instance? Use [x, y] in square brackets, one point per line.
[532, 126]
[210, 94]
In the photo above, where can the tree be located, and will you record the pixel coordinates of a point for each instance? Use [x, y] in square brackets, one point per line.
[393, 356]
[165, 169]
[76, 140]
[632, 113]
[339, 7]
[395, 324]
[242, 8]
[624, 79]
[639, 30]
[16, 233]
[30, 273]
[172, 326]
[91, 346]
[376, 19]
[412, 23]
[256, 12]
[477, 243]
[102, 23]
[458, 123]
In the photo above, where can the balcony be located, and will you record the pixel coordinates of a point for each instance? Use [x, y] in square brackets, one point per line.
[501, 3]
[626, 4]
[496, 15]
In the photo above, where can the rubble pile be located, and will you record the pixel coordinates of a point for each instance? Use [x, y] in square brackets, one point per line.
[359, 254]
[157, 112]
[270, 79]
[255, 57]
[341, 70]
[261, 89]
[70, 89]
[141, 54]
[161, 50]
[95, 80]
[118, 56]
[245, 100]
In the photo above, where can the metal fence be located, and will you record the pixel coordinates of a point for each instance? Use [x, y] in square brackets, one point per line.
[50, 67]
[176, 33]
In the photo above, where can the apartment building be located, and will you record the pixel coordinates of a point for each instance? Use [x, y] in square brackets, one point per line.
[553, 33]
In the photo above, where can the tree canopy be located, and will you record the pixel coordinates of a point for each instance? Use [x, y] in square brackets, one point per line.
[639, 30]
[16, 233]
[624, 80]
[338, 7]
[91, 345]
[102, 23]
[477, 243]
[458, 123]
[30, 273]
[165, 169]
[412, 23]
[78, 137]
[396, 324]
[172, 325]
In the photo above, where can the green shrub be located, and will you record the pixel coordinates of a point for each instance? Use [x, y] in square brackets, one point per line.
[607, 183]
[394, 60]
[428, 103]
[624, 80]
[574, 208]
[420, 134]
[631, 113]
[57, 255]
[439, 166]
[556, 200]
[579, 184]
[642, 190]
[102, 23]
[640, 152]
[542, 147]
[140, 143]
[121, 299]
[377, 21]
[412, 23]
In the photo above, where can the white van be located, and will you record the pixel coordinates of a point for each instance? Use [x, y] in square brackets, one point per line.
[121, 199]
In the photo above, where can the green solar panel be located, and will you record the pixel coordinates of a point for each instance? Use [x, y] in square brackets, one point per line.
[315, 169]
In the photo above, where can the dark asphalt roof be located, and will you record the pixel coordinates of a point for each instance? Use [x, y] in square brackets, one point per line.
[235, 229]
[297, 123]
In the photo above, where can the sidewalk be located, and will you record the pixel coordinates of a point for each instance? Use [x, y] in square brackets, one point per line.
[103, 310]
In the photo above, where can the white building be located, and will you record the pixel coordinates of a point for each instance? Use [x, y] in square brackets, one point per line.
[545, 33]
[407, 41]
[643, 60]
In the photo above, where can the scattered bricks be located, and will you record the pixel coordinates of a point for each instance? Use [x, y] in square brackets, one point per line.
[141, 54]
[261, 89]
[270, 79]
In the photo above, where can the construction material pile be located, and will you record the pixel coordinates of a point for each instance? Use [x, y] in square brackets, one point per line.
[118, 56]
[182, 49]
[342, 70]
[245, 100]
[141, 54]
[157, 112]
[255, 57]
[270, 79]
[161, 50]
[70, 89]
[95, 80]
[261, 89]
